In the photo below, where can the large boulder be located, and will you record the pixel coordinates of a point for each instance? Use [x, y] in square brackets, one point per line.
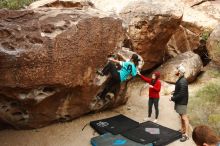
[182, 40]
[190, 61]
[48, 63]
[150, 26]
[213, 45]
[199, 19]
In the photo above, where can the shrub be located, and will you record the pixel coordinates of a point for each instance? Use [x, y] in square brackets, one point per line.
[214, 73]
[205, 35]
[15, 4]
[204, 106]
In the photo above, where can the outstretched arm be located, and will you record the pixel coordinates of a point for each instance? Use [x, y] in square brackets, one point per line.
[123, 57]
[114, 60]
[148, 80]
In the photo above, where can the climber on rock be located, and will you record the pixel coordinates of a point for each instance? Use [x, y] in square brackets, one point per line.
[127, 68]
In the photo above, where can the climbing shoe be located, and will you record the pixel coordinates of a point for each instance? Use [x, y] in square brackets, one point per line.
[109, 95]
[99, 73]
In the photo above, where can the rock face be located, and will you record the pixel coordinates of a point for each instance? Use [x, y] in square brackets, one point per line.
[210, 7]
[213, 45]
[113, 6]
[48, 63]
[150, 26]
[190, 61]
[199, 19]
[183, 40]
[78, 4]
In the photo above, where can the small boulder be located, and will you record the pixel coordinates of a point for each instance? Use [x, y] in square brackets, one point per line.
[191, 61]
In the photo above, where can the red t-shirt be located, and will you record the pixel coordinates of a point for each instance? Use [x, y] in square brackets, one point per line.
[155, 91]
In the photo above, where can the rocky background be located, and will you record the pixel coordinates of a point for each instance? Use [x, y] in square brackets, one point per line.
[50, 52]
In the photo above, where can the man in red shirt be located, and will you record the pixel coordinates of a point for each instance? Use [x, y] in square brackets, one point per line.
[154, 94]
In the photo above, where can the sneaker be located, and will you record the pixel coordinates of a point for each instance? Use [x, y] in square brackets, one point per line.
[184, 138]
[147, 119]
[155, 121]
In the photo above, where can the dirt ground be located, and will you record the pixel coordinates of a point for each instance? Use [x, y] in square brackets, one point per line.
[71, 134]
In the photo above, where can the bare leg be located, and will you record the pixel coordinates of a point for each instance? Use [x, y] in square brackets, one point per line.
[186, 124]
[183, 130]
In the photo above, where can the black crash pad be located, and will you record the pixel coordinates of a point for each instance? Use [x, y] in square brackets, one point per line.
[140, 135]
[114, 125]
[162, 135]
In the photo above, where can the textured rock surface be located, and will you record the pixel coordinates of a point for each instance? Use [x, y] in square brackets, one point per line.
[213, 45]
[114, 6]
[150, 26]
[183, 40]
[210, 7]
[48, 63]
[201, 17]
[78, 4]
[190, 61]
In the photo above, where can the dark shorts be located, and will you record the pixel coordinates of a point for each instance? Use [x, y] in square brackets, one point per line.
[181, 109]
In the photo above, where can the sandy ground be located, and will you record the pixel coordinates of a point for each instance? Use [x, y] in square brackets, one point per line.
[71, 134]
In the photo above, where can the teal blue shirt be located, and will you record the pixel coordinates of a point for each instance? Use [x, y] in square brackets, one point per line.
[127, 68]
